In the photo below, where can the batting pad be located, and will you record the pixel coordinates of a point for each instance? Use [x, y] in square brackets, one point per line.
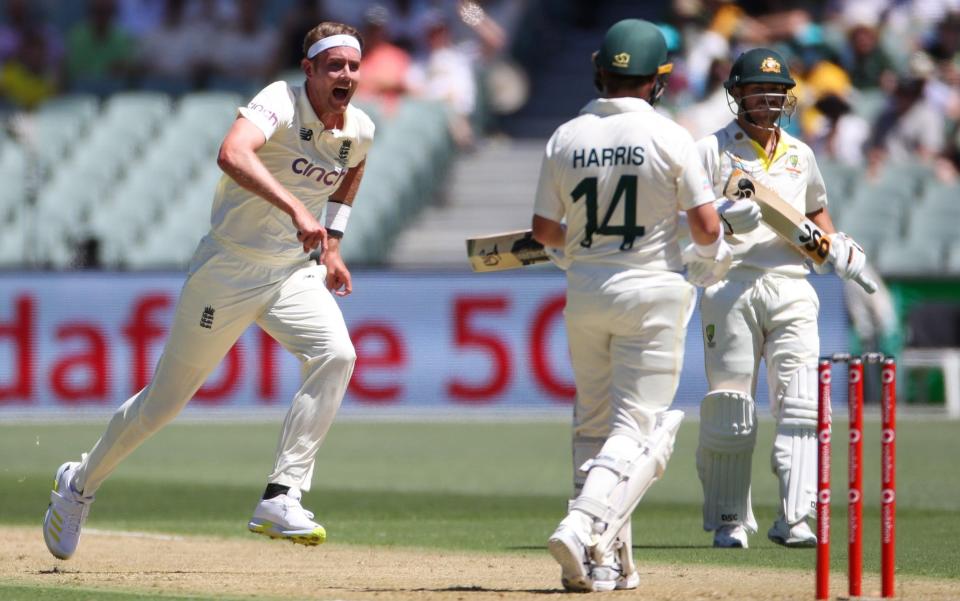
[728, 434]
[621, 474]
[794, 460]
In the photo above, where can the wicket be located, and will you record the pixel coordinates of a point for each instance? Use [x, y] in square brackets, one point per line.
[888, 466]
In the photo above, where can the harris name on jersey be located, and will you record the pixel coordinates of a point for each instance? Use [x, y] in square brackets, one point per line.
[608, 157]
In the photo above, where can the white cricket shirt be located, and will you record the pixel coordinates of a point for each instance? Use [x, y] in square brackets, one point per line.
[791, 172]
[307, 159]
[619, 173]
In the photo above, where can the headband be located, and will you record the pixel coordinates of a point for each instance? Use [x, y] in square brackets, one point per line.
[332, 42]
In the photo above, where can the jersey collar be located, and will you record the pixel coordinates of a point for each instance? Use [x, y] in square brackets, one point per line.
[765, 159]
[613, 106]
[309, 116]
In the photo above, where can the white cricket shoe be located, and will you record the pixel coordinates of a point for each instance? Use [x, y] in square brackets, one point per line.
[797, 536]
[284, 517]
[609, 577]
[730, 536]
[65, 514]
[570, 552]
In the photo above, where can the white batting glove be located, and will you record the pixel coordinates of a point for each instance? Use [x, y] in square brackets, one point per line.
[738, 216]
[847, 256]
[704, 271]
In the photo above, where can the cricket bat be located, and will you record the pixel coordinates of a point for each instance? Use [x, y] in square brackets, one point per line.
[789, 223]
[509, 250]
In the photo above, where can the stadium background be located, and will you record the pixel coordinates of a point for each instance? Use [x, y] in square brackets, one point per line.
[454, 435]
[108, 163]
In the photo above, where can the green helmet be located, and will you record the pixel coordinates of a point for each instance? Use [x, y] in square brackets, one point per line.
[633, 47]
[760, 65]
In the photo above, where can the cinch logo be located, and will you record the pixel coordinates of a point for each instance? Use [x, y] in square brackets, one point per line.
[270, 114]
[302, 166]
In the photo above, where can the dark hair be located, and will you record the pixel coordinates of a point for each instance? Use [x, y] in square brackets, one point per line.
[327, 29]
[613, 83]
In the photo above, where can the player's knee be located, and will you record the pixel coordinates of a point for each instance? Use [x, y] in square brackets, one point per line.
[796, 404]
[728, 422]
[337, 355]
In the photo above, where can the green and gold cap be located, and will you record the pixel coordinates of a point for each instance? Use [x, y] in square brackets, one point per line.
[760, 65]
[634, 47]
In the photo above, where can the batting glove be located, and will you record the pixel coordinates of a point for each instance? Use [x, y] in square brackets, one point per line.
[847, 256]
[704, 271]
[738, 216]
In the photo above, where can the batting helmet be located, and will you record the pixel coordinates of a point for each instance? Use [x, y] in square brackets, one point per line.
[760, 65]
[633, 47]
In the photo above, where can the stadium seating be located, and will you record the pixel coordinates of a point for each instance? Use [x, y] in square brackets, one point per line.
[908, 259]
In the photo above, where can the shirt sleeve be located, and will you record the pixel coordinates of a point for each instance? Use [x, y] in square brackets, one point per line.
[271, 109]
[549, 203]
[694, 188]
[816, 188]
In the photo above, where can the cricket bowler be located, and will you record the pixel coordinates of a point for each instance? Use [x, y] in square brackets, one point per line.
[611, 185]
[765, 308]
[292, 152]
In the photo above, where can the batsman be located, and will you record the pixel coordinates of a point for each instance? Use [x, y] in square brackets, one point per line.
[764, 308]
[612, 182]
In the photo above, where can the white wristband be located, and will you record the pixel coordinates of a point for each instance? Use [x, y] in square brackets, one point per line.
[709, 251]
[337, 215]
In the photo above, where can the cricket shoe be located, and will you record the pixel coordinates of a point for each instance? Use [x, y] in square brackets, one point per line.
[730, 536]
[797, 536]
[284, 517]
[65, 514]
[609, 576]
[570, 552]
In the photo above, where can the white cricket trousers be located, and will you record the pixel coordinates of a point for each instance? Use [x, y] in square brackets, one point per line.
[755, 314]
[626, 333]
[225, 292]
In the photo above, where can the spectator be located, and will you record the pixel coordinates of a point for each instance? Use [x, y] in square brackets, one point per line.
[29, 78]
[713, 112]
[830, 125]
[174, 54]
[246, 51]
[869, 65]
[909, 129]
[385, 66]
[139, 17]
[446, 74]
[842, 133]
[98, 50]
[22, 20]
[296, 24]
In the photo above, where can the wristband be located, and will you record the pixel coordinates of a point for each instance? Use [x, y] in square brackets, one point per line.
[336, 220]
[709, 251]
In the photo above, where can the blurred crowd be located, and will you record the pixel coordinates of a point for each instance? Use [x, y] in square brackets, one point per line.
[878, 80]
[430, 49]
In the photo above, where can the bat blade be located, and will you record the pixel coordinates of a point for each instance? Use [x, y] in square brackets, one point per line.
[509, 250]
[790, 224]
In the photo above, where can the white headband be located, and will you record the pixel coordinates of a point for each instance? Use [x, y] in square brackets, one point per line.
[332, 42]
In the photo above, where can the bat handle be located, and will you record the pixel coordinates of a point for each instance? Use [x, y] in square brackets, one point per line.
[866, 282]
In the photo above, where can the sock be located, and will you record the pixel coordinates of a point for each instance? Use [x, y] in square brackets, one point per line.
[274, 490]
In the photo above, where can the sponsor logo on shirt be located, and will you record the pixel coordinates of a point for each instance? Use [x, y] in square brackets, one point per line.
[306, 134]
[303, 166]
[255, 106]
